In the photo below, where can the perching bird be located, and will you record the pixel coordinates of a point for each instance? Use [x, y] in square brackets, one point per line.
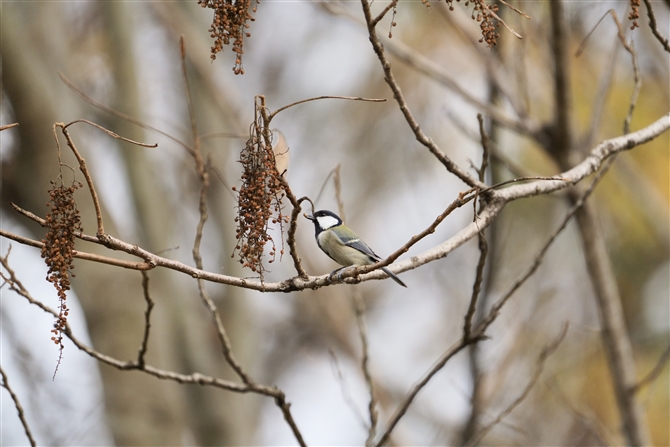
[343, 245]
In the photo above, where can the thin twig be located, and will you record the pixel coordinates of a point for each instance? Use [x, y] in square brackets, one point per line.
[498, 18]
[346, 392]
[350, 98]
[193, 378]
[295, 203]
[430, 68]
[290, 240]
[191, 112]
[8, 126]
[385, 11]
[147, 320]
[495, 309]
[636, 74]
[589, 422]
[359, 310]
[123, 116]
[337, 182]
[604, 86]
[402, 408]
[546, 352]
[518, 11]
[84, 170]
[323, 186]
[110, 133]
[477, 286]
[582, 46]
[654, 373]
[483, 245]
[628, 46]
[654, 27]
[19, 408]
[460, 201]
[389, 77]
[485, 148]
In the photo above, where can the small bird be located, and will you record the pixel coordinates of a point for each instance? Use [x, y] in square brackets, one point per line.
[343, 245]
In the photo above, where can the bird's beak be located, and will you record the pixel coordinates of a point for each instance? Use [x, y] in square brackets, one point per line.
[310, 217]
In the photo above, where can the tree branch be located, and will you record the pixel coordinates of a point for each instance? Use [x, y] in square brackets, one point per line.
[544, 355]
[19, 408]
[409, 117]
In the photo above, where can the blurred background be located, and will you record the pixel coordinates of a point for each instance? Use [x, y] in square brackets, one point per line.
[125, 55]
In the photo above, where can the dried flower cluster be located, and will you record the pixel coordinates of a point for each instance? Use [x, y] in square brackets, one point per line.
[230, 25]
[486, 15]
[634, 13]
[62, 221]
[259, 201]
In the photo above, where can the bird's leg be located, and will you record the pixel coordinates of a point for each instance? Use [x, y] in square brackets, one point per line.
[330, 276]
[339, 272]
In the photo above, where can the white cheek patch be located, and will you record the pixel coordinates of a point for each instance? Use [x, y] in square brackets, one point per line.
[326, 222]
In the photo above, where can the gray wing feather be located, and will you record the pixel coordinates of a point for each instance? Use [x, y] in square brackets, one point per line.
[358, 244]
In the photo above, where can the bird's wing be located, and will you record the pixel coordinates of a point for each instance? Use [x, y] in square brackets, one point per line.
[355, 242]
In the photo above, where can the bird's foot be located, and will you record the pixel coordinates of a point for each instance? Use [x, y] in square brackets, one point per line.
[339, 273]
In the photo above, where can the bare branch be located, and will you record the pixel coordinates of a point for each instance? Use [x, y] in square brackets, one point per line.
[147, 321]
[546, 352]
[517, 35]
[591, 163]
[428, 67]
[385, 11]
[110, 133]
[8, 126]
[485, 148]
[194, 378]
[350, 98]
[477, 286]
[19, 408]
[498, 200]
[84, 170]
[439, 364]
[495, 310]
[654, 27]
[120, 115]
[409, 117]
[359, 310]
[141, 266]
[293, 226]
[518, 11]
[654, 373]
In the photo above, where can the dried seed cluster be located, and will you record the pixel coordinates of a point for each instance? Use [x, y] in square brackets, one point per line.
[634, 13]
[486, 16]
[62, 221]
[259, 201]
[230, 25]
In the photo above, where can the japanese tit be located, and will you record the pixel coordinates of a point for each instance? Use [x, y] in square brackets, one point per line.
[343, 245]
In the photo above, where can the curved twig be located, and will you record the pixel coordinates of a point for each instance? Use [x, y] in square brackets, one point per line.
[350, 98]
[110, 133]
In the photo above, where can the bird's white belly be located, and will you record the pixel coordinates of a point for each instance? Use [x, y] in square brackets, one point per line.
[340, 252]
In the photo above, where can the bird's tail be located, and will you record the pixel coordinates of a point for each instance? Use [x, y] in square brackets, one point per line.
[393, 276]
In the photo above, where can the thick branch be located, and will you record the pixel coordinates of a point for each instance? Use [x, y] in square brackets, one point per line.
[493, 207]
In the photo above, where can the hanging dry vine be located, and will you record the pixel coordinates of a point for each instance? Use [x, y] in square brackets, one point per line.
[230, 25]
[62, 222]
[489, 21]
[259, 197]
